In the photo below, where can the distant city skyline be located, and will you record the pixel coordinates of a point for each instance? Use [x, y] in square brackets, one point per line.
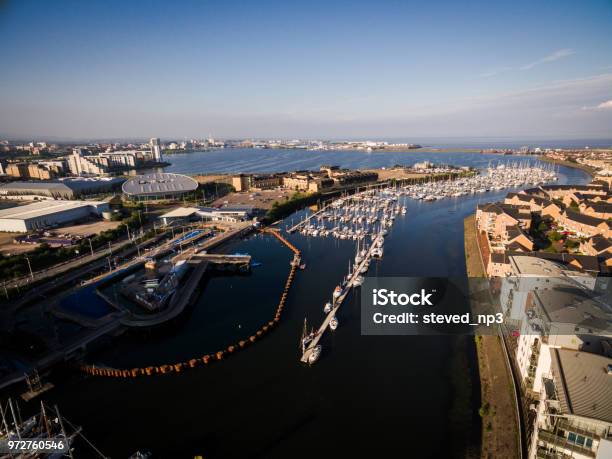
[327, 70]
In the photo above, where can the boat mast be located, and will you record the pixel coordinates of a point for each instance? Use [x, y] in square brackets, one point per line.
[61, 423]
[6, 427]
[17, 426]
[44, 420]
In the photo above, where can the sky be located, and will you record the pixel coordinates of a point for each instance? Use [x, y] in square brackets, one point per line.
[316, 69]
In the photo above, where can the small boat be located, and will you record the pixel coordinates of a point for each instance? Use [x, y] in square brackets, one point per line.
[327, 308]
[333, 323]
[337, 291]
[314, 354]
[358, 281]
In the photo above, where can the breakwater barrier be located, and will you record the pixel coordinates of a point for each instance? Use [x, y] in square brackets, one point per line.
[211, 358]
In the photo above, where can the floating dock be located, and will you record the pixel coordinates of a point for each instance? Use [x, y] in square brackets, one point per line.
[338, 302]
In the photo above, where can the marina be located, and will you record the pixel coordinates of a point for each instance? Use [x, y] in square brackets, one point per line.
[219, 319]
[367, 217]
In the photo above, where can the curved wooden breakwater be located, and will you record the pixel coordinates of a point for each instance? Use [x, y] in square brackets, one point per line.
[216, 356]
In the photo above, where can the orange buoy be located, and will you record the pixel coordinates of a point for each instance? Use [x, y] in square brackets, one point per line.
[193, 363]
[219, 355]
[205, 359]
[252, 339]
[242, 343]
[259, 333]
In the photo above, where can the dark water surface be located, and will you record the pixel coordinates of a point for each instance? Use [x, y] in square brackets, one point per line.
[367, 396]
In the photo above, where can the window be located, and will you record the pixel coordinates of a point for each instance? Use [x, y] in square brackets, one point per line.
[580, 440]
[572, 437]
[589, 442]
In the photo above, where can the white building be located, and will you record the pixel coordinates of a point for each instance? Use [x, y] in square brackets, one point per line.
[551, 307]
[47, 214]
[223, 214]
[574, 412]
[156, 150]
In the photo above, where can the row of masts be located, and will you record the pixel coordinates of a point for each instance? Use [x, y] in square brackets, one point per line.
[37, 427]
[493, 179]
[365, 217]
[354, 217]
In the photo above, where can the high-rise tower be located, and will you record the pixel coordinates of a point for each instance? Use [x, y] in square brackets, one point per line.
[156, 149]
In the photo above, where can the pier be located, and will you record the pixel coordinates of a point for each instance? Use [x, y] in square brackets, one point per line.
[338, 302]
[222, 262]
[297, 226]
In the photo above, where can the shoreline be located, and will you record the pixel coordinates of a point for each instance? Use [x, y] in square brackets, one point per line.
[498, 439]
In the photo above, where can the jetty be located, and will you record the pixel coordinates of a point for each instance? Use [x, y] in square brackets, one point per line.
[338, 302]
[303, 222]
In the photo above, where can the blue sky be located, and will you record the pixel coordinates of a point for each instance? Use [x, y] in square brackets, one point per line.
[310, 69]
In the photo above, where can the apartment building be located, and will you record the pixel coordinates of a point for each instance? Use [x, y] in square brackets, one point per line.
[246, 182]
[573, 415]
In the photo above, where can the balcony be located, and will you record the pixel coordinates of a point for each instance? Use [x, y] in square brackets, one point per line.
[564, 424]
[551, 440]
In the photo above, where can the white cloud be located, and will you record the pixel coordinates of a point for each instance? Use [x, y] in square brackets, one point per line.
[605, 105]
[559, 54]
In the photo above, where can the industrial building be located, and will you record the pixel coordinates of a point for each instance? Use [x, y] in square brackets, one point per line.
[225, 214]
[64, 188]
[47, 214]
[158, 186]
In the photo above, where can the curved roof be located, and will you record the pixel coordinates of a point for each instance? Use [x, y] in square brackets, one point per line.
[159, 183]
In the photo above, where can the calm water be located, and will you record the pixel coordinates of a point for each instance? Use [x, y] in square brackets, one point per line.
[259, 160]
[368, 396]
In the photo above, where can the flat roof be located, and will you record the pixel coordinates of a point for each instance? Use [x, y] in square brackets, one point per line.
[572, 305]
[41, 208]
[63, 184]
[532, 266]
[584, 387]
[159, 183]
[180, 212]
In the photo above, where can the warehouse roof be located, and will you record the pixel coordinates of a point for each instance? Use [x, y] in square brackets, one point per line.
[159, 183]
[62, 185]
[41, 208]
